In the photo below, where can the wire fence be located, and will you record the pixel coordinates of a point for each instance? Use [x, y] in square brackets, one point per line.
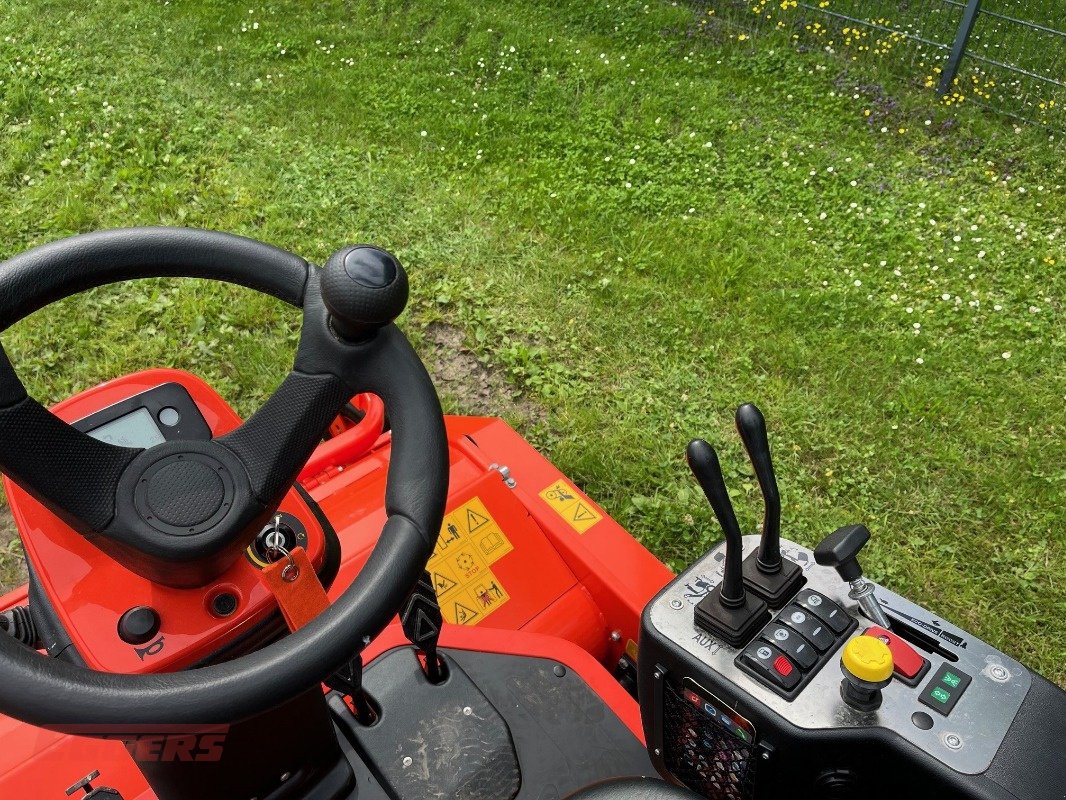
[967, 51]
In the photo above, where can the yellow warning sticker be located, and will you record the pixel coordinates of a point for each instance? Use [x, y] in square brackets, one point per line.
[470, 542]
[564, 499]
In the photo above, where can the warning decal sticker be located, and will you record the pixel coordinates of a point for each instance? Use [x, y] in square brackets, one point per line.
[470, 543]
[564, 500]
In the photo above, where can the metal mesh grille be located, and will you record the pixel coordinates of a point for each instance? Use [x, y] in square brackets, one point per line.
[703, 755]
[1013, 61]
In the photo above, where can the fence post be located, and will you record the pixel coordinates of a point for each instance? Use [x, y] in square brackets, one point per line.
[962, 38]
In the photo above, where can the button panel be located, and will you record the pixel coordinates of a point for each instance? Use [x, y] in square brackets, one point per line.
[793, 647]
[770, 665]
[792, 644]
[825, 609]
[944, 689]
[808, 626]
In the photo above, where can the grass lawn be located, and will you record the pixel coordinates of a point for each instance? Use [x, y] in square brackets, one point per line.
[620, 226]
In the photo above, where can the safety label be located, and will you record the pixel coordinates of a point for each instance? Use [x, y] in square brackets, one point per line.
[565, 501]
[470, 542]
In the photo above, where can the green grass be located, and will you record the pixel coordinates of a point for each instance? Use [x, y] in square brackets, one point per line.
[637, 225]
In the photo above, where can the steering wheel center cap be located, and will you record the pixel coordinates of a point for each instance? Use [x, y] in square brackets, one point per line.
[184, 493]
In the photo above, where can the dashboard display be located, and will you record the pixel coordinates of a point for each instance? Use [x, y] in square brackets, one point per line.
[135, 429]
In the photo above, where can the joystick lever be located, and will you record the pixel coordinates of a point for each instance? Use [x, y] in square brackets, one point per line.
[771, 577]
[727, 612]
[840, 550]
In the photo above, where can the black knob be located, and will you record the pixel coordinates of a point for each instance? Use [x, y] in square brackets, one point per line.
[138, 625]
[840, 549]
[752, 429]
[364, 288]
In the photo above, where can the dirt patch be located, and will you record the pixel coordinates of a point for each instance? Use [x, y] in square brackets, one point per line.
[12, 565]
[467, 385]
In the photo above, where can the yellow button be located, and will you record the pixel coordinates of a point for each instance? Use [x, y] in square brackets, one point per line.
[868, 659]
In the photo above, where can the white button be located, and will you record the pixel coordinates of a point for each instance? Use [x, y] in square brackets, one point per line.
[999, 673]
[169, 417]
[798, 617]
[764, 653]
[814, 600]
[781, 634]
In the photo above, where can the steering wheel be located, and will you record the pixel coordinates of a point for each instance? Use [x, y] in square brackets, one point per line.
[179, 513]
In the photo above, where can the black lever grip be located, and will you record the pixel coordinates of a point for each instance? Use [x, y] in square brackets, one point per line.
[752, 429]
[840, 550]
[703, 462]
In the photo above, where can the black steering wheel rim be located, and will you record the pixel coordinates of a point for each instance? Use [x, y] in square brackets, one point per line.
[51, 693]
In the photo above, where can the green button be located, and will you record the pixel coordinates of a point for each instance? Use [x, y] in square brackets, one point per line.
[940, 695]
[951, 679]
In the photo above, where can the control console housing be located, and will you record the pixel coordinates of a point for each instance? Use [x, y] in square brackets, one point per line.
[948, 724]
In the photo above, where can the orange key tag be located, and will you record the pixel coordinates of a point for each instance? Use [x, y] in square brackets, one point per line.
[292, 580]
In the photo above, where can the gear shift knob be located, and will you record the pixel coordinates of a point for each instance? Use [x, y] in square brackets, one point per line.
[840, 550]
[364, 288]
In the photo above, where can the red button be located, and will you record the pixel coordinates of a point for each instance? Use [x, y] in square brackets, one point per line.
[905, 659]
[783, 666]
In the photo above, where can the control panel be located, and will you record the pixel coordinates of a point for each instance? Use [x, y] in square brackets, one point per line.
[947, 692]
[823, 666]
[91, 609]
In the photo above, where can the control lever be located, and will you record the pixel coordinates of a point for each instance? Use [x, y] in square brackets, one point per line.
[771, 577]
[728, 612]
[840, 550]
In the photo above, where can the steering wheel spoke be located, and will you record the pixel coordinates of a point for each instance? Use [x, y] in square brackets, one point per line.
[82, 485]
[275, 442]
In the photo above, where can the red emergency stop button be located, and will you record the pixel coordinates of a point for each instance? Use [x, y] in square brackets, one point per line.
[906, 662]
[783, 666]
